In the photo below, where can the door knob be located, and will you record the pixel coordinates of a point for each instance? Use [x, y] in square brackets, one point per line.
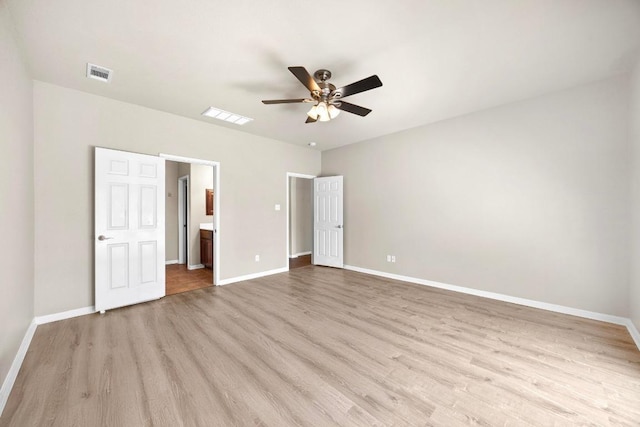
[338, 226]
[101, 237]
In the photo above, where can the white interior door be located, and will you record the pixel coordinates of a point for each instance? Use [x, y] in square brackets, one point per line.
[327, 223]
[129, 228]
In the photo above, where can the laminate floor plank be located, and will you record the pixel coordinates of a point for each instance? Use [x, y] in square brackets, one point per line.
[321, 346]
[180, 279]
[270, 367]
[371, 397]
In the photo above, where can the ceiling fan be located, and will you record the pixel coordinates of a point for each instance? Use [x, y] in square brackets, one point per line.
[326, 99]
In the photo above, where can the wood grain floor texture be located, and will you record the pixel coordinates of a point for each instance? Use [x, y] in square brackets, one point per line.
[323, 347]
[180, 279]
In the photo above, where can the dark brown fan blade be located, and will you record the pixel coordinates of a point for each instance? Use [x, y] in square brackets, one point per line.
[283, 101]
[305, 78]
[310, 120]
[352, 108]
[357, 87]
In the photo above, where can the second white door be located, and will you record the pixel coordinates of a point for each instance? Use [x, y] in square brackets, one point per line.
[328, 227]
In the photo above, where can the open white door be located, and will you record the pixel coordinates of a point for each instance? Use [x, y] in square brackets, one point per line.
[129, 228]
[327, 221]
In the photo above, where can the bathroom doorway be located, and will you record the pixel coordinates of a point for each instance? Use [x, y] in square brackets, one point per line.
[192, 225]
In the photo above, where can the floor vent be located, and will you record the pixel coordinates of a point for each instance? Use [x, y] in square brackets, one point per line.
[99, 73]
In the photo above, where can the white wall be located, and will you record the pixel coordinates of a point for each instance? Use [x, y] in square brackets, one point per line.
[529, 199]
[16, 195]
[68, 124]
[634, 290]
[171, 211]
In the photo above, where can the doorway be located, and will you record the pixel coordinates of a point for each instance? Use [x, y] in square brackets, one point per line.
[192, 223]
[299, 220]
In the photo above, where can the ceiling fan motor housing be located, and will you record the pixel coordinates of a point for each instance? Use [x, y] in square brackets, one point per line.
[322, 75]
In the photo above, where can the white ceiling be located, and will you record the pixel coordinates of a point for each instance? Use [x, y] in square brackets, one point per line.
[436, 58]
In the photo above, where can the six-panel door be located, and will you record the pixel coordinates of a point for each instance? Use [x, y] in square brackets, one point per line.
[129, 228]
[328, 225]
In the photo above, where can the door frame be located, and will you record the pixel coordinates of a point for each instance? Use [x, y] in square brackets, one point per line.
[183, 238]
[216, 207]
[294, 175]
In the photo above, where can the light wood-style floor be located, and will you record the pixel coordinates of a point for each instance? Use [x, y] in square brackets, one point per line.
[321, 347]
[180, 279]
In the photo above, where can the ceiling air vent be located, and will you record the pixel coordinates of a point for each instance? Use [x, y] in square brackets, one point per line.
[99, 73]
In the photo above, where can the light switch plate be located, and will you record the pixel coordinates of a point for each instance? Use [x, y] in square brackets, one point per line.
[277, 207]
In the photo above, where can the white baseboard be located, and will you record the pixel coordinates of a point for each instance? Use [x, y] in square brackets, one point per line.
[171, 262]
[10, 379]
[633, 331]
[195, 267]
[507, 298]
[252, 276]
[41, 320]
[299, 254]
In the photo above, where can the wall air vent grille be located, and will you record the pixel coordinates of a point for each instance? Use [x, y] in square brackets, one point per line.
[99, 73]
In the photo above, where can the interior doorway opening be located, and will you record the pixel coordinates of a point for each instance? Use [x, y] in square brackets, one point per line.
[299, 220]
[192, 223]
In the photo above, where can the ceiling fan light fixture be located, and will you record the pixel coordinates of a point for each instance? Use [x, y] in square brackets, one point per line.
[333, 111]
[313, 112]
[323, 112]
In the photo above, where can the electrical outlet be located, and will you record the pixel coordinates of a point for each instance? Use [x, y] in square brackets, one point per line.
[257, 258]
[393, 258]
[388, 258]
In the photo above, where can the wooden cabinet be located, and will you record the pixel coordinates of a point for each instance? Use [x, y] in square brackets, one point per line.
[206, 248]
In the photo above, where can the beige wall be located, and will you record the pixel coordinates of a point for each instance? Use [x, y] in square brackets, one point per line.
[16, 196]
[171, 211]
[634, 290]
[201, 178]
[68, 124]
[529, 200]
[301, 215]
[184, 169]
